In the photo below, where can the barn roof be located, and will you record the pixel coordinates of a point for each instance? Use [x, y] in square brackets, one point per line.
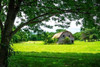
[57, 35]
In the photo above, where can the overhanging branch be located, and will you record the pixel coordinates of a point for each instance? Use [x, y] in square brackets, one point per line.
[69, 10]
[31, 22]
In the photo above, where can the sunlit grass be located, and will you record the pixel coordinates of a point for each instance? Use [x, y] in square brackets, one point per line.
[77, 47]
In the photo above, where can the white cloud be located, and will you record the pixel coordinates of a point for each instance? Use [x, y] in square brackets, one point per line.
[73, 28]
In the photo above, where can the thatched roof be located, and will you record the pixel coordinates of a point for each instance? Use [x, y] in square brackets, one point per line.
[57, 35]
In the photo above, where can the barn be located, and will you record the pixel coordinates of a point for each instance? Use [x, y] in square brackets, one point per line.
[62, 35]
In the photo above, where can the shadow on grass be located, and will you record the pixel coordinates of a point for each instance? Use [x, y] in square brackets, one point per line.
[49, 59]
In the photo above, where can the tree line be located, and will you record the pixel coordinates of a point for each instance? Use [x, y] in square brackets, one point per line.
[85, 35]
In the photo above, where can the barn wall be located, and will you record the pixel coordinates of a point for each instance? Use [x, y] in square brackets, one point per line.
[65, 34]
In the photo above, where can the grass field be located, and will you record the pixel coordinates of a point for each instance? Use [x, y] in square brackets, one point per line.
[36, 54]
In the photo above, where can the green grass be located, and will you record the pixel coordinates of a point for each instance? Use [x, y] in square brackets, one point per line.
[36, 54]
[77, 47]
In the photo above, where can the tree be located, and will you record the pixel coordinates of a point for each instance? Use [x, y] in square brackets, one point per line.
[48, 37]
[20, 36]
[67, 40]
[77, 36]
[60, 30]
[90, 34]
[37, 11]
[93, 37]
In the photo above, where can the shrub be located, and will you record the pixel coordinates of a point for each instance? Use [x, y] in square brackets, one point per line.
[93, 37]
[50, 40]
[77, 36]
[67, 40]
[55, 40]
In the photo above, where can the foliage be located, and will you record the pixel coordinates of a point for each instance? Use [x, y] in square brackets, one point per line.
[77, 36]
[57, 10]
[20, 36]
[55, 40]
[90, 34]
[48, 40]
[23, 35]
[60, 30]
[33, 37]
[67, 40]
[48, 37]
[93, 37]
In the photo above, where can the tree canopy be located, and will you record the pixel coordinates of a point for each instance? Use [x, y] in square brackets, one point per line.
[37, 11]
[90, 34]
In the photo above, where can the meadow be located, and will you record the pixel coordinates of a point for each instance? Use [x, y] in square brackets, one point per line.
[36, 54]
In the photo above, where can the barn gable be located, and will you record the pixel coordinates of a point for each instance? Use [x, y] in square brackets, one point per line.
[61, 36]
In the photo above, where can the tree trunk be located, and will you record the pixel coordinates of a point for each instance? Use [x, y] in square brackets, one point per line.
[4, 51]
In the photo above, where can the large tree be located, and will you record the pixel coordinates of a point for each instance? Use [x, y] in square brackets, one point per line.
[37, 11]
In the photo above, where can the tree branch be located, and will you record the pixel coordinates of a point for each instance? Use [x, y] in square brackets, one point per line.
[37, 17]
[31, 22]
[69, 10]
[30, 3]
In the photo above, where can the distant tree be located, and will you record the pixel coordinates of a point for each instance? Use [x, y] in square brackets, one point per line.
[33, 37]
[93, 37]
[48, 37]
[90, 34]
[20, 36]
[60, 30]
[77, 36]
[16, 38]
[48, 40]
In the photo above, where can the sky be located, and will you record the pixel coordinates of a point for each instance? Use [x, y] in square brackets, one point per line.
[73, 28]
